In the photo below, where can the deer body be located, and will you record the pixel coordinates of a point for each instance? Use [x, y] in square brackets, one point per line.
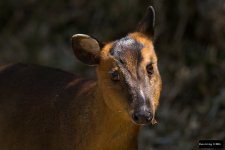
[42, 108]
[37, 121]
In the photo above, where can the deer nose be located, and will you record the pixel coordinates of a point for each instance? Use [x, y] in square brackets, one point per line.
[142, 117]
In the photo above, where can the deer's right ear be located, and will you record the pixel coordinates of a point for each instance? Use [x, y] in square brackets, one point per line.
[86, 49]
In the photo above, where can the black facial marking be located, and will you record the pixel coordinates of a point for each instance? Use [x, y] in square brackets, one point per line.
[133, 79]
[127, 53]
[126, 47]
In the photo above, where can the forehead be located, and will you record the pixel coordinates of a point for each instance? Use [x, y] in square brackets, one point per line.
[126, 50]
[133, 49]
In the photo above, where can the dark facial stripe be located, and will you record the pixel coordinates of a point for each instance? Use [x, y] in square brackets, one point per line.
[126, 47]
[127, 53]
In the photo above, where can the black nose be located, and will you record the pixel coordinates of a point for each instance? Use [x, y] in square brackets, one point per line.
[142, 117]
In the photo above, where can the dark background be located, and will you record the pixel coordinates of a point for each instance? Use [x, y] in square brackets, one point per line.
[189, 41]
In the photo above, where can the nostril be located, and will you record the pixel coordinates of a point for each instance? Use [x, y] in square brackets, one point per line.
[142, 117]
[135, 117]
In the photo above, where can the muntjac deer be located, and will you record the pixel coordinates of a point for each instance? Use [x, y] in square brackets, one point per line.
[43, 108]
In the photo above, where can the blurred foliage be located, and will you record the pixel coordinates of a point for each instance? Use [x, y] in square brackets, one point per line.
[190, 43]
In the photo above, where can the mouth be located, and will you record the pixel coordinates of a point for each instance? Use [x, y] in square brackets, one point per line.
[140, 124]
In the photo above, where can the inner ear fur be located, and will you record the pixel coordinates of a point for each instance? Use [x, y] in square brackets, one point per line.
[147, 24]
[86, 49]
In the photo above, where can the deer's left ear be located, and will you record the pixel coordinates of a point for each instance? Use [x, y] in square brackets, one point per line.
[146, 25]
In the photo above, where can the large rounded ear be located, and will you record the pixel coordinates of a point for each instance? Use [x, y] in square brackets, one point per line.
[86, 49]
[146, 25]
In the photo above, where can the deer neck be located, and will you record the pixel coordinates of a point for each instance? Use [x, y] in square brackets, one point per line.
[111, 130]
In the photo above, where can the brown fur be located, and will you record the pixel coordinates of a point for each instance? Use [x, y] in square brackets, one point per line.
[43, 108]
[149, 56]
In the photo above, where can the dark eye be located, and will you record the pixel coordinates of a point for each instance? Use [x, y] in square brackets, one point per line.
[149, 69]
[115, 76]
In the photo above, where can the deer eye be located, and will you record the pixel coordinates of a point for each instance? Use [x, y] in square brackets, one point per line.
[115, 75]
[149, 69]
